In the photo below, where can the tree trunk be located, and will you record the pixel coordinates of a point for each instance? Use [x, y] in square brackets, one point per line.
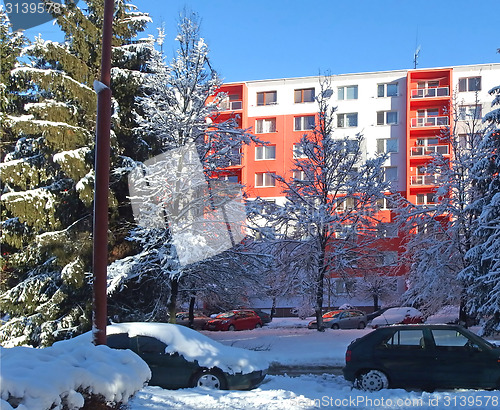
[319, 292]
[172, 300]
[273, 308]
[191, 311]
[375, 302]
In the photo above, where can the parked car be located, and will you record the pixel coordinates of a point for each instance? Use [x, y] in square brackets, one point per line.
[377, 313]
[235, 320]
[180, 357]
[397, 316]
[264, 316]
[199, 319]
[342, 319]
[422, 356]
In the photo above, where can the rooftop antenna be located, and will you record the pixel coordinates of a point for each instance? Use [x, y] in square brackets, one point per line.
[417, 51]
[415, 57]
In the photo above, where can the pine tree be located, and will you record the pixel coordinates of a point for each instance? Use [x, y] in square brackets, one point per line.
[440, 234]
[482, 276]
[47, 179]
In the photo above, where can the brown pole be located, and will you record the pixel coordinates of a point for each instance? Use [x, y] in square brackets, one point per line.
[101, 187]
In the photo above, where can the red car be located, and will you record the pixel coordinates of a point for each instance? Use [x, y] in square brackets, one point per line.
[235, 320]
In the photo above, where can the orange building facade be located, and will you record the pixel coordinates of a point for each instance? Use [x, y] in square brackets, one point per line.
[403, 113]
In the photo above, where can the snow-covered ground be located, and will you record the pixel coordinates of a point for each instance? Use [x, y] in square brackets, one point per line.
[285, 342]
[288, 342]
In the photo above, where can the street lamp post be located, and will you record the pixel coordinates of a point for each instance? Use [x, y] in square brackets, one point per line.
[101, 187]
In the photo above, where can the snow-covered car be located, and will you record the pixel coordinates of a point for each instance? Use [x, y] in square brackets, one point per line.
[422, 356]
[342, 319]
[235, 320]
[180, 357]
[397, 316]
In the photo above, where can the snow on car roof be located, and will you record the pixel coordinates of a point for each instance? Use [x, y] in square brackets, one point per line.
[194, 346]
[394, 315]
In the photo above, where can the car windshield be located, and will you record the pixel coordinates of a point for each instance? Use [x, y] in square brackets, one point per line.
[225, 315]
[335, 313]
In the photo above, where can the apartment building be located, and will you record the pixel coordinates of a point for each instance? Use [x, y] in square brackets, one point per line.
[402, 113]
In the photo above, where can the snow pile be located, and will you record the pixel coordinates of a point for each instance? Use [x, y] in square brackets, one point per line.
[56, 376]
[194, 346]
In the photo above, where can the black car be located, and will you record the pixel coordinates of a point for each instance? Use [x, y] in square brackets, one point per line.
[264, 316]
[180, 357]
[422, 356]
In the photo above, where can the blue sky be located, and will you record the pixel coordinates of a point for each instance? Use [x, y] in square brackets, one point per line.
[263, 39]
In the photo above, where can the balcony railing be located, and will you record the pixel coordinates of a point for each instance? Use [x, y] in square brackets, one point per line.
[424, 180]
[231, 105]
[429, 122]
[429, 150]
[430, 92]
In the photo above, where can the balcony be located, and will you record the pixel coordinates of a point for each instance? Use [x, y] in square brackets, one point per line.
[230, 105]
[421, 122]
[421, 151]
[421, 180]
[430, 92]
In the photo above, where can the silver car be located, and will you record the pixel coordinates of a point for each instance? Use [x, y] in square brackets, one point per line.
[342, 319]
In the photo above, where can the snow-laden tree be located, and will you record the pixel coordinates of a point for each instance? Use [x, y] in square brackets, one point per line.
[11, 45]
[47, 177]
[179, 109]
[439, 232]
[482, 275]
[330, 203]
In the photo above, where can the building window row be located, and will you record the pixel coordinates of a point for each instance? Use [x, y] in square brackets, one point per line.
[350, 92]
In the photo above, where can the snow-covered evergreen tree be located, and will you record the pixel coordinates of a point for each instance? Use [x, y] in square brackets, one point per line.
[47, 178]
[439, 234]
[330, 202]
[179, 108]
[482, 276]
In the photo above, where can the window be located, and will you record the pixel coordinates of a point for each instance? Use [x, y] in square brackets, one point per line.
[385, 203]
[299, 175]
[304, 123]
[229, 178]
[388, 145]
[265, 152]
[345, 203]
[390, 173]
[390, 257]
[347, 92]
[349, 146]
[387, 117]
[267, 98]
[426, 199]
[264, 179]
[266, 125]
[347, 120]
[449, 339]
[469, 84]
[405, 339]
[387, 90]
[304, 95]
[469, 112]
[298, 151]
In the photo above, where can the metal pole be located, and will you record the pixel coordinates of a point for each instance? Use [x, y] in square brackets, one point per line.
[101, 187]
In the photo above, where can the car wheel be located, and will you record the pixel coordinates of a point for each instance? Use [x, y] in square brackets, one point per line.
[231, 328]
[372, 380]
[209, 379]
[361, 325]
[257, 325]
[335, 326]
